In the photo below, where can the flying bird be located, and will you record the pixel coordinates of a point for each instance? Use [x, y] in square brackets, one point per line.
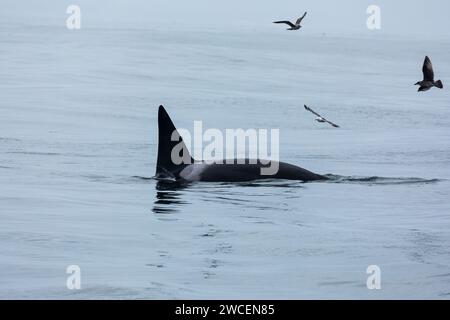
[292, 26]
[428, 77]
[320, 118]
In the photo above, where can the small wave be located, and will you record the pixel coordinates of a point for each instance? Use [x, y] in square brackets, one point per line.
[35, 153]
[375, 180]
[143, 178]
[9, 139]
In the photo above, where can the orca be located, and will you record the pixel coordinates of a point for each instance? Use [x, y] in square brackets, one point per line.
[190, 170]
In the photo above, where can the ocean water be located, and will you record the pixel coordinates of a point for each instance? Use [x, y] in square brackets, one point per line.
[78, 143]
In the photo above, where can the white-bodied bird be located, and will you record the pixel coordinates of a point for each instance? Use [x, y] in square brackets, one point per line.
[320, 118]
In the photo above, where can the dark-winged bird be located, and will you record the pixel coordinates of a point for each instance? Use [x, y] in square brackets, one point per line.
[292, 26]
[320, 118]
[428, 77]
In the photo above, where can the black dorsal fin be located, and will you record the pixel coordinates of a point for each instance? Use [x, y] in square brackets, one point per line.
[165, 165]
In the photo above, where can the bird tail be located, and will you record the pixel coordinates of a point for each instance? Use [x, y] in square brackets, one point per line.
[439, 84]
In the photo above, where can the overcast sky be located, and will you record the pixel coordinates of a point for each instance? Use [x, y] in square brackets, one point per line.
[403, 17]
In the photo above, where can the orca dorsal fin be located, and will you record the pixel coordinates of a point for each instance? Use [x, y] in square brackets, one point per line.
[165, 165]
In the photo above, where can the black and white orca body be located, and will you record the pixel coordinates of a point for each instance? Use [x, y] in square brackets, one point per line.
[236, 170]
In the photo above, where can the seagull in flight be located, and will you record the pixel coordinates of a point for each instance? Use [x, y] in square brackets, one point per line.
[320, 118]
[428, 77]
[292, 26]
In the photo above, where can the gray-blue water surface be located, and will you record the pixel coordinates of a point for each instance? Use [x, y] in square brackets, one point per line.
[78, 142]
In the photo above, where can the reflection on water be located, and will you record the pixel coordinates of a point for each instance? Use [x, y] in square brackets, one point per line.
[171, 194]
[168, 196]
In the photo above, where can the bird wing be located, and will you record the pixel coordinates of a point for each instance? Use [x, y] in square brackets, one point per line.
[286, 22]
[427, 69]
[312, 111]
[333, 124]
[299, 20]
